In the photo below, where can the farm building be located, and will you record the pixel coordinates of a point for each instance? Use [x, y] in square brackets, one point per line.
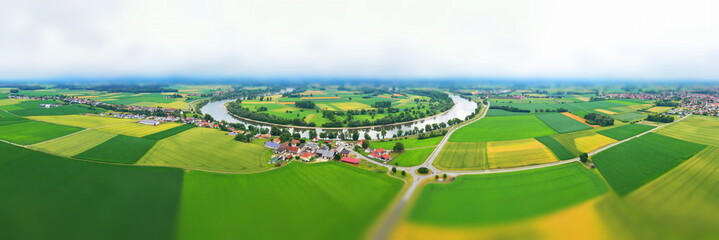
[350, 160]
[306, 156]
[272, 145]
[149, 122]
[326, 153]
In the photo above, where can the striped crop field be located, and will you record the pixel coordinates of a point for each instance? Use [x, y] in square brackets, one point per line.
[626, 131]
[138, 130]
[515, 153]
[580, 119]
[83, 121]
[685, 198]
[698, 129]
[74, 144]
[562, 123]
[206, 148]
[636, 162]
[463, 155]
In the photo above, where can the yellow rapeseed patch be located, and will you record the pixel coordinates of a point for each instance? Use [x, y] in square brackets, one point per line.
[592, 142]
[515, 153]
[605, 111]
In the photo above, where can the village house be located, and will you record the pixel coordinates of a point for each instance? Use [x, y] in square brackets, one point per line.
[350, 160]
[380, 154]
[306, 156]
[272, 145]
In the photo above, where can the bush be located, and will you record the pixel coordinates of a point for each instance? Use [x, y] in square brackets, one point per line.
[423, 170]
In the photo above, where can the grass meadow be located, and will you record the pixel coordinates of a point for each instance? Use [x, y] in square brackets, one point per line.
[298, 201]
[500, 113]
[486, 199]
[411, 158]
[463, 155]
[7, 118]
[74, 144]
[32, 108]
[210, 149]
[50, 197]
[626, 131]
[561, 123]
[636, 162]
[698, 129]
[630, 117]
[119, 149]
[31, 132]
[502, 128]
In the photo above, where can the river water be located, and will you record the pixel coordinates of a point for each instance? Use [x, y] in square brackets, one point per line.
[461, 109]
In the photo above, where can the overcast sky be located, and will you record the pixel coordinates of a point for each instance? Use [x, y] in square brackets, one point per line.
[374, 39]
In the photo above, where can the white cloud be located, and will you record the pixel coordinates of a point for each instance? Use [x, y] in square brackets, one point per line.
[382, 38]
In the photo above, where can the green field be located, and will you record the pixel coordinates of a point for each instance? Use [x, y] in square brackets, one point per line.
[561, 152]
[516, 153]
[583, 141]
[50, 197]
[138, 130]
[74, 144]
[83, 121]
[210, 149]
[32, 108]
[298, 201]
[634, 163]
[169, 132]
[411, 158]
[698, 129]
[119, 149]
[463, 155]
[500, 112]
[629, 117]
[502, 128]
[408, 143]
[561, 123]
[31, 132]
[626, 131]
[7, 118]
[569, 106]
[487, 199]
[685, 199]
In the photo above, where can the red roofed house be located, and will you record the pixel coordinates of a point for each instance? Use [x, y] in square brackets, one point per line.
[276, 140]
[386, 157]
[350, 160]
[264, 136]
[295, 142]
[306, 156]
[293, 149]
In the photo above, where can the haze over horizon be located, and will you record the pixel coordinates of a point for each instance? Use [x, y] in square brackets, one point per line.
[649, 40]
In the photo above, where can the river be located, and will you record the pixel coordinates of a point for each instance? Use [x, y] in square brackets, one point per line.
[461, 109]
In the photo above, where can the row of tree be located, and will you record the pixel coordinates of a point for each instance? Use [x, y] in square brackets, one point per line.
[660, 118]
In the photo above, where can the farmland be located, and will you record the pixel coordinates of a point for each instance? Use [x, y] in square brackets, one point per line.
[74, 144]
[505, 197]
[137, 129]
[630, 117]
[626, 131]
[169, 132]
[32, 108]
[119, 149]
[634, 163]
[684, 199]
[83, 121]
[699, 129]
[463, 155]
[7, 118]
[561, 123]
[583, 141]
[534, 107]
[302, 198]
[50, 197]
[502, 128]
[31, 132]
[204, 148]
[561, 152]
[500, 112]
[514, 153]
[408, 143]
[414, 157]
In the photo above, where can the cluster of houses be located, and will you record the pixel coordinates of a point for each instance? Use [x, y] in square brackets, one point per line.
[49, 105]
[75, 100]
[691, 102]
[379, 154]
[308, 151]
